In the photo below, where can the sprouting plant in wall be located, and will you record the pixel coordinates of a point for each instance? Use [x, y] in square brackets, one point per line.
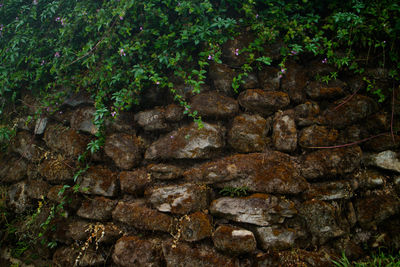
[234, 191]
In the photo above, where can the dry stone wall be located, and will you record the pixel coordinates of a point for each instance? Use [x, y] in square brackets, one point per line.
[153, 195]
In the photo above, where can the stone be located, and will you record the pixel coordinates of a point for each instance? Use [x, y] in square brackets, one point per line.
[234, 240]
[330, 162]
[79, 230]
[37, 189]
[250, 82]
[78, 98]
[273, 49]
[270, 172]
[294, 81]
[330, 190]
[317, 136]
[124, 149]
[24, 144]
[173, 113]
[388, 160]
[138, 215]
[182, 254]
[152, 120]
[98, 208]
[122, 122]
[214, 105]
[263, 102]
[284, 135]
[12, 169]
[164, 171]
[64, 140]
[306, 114]
[40, 126]
[133, 251]
[57, 169]
[294, 257]
[134, 182]
[195, 227]
[321, 221]
[99, 180]
[383, 143]
[179, 199]
[275, 237]
[258, 209]
[375, 207]
[82, 120]
[188, 142]
[74, 200]
[222, 76]
[269, 78]
[368, 179]
[318, 90]
[348, 111]
[231, 50]
[248, 133]
[17, 197]
[70, 256]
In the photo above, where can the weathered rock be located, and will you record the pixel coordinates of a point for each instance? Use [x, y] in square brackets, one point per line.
[37, 189]
[82, 120]
[12, 169]
[222, 77]
[173, 113]
[250, 82]
[258, 209]
[152, 120]
[388, 160]
[269, 79]
[271, 172]
[297, 257]
[215, 105]
[275, 237]
[164, 171]
[376, 206]
[306, 114]
[74, 200]
[294, 81]
[57, 169]
[318, 90]
[349, 111]
[195, 227]
[24, 144]
[99, 180]
[330, 162]
[179, 199]
[284, 135]
[181, 254]
[69, 256]
[317, 136]
[40, 125]
[77, 98]
[123, 122]
[234, 240]
[263, 102]
[321, 221]
[124, 149]
[367, 179]
[248, 133]
[17, 197]
[134, 182]
[383, 142]
[133, 251]
[79, 230]
[66, 141]
[231, 50]
[139, 216]
[188, 142]
[330, 190]
[98, 208]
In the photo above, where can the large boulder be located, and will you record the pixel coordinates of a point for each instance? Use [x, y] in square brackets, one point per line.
[271, 172]
[258, 209]
[188, 142]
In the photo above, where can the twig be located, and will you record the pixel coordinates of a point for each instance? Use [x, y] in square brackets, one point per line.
[347, 99]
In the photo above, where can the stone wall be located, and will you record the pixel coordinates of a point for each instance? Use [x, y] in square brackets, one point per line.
[162, 192]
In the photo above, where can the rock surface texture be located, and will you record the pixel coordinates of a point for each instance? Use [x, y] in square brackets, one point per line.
[282, 171]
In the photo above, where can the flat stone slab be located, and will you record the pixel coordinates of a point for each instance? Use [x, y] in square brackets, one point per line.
[388, 160]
